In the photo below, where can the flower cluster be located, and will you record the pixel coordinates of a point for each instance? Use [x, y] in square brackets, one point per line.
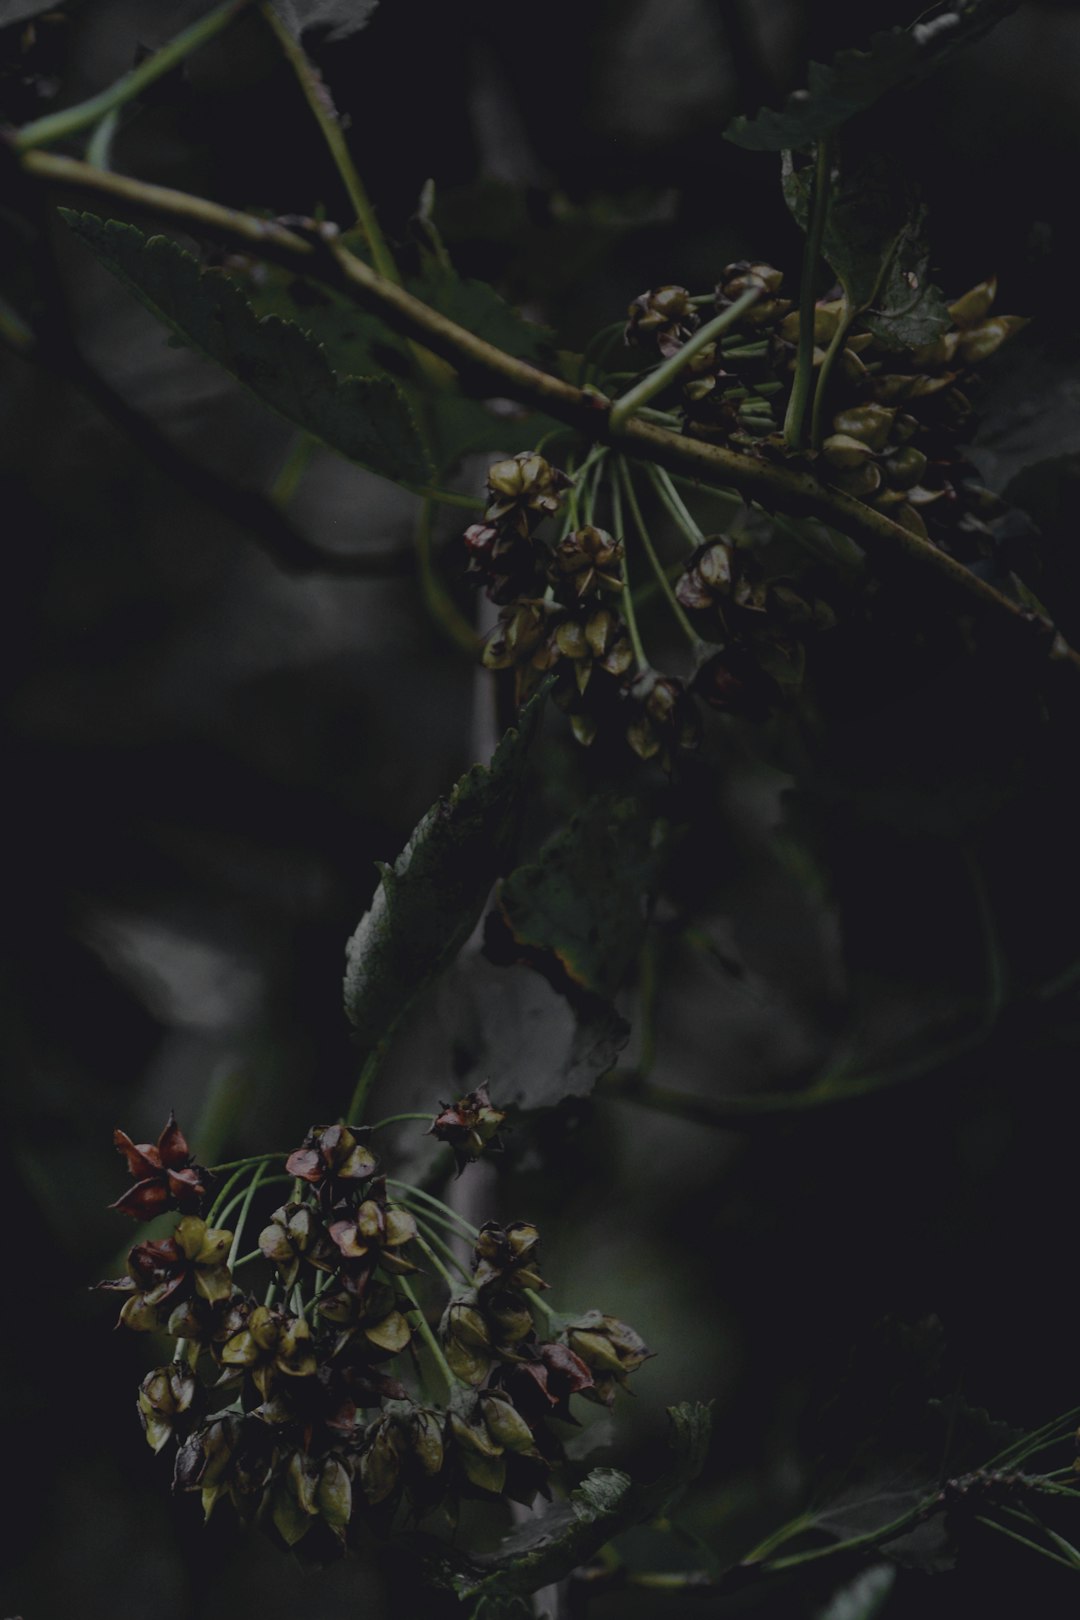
[298, 1404]
[888, 423]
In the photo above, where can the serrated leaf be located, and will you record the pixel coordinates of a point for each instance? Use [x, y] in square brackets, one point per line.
[429, 901]
[583, 901]
[856, 79]
[480, 309]
[606, 1503]
[874, 242]
[367, 419]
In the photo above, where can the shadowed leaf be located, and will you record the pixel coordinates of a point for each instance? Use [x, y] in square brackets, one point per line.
[367, 419]
[856, 79]
[429, 901]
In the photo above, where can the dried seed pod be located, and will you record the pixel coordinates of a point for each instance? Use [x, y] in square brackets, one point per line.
[664, 314]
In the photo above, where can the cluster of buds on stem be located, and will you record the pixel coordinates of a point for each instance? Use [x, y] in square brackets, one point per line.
[287, 1403]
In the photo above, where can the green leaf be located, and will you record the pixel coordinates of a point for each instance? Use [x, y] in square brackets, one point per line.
[367, 419]
[856, 79]
[874, 241]
[606, 1503]
[480, 309]
[862, 1598]
[359, 344]
[429, 901]
[583, 902]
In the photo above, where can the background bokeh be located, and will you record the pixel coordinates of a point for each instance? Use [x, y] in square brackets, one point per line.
[206, 752]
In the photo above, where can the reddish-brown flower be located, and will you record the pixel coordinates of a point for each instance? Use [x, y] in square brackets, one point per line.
[165, 1174]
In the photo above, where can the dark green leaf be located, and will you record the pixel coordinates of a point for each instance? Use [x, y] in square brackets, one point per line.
[478, 307]
[583, 901]
[429, 901]
[367, 419]
[874, 242]
[855, 79]
[606, 1503]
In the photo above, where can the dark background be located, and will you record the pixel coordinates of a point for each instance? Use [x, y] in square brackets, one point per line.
[205, 753]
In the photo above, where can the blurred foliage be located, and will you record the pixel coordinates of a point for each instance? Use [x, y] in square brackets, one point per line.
[864, 957]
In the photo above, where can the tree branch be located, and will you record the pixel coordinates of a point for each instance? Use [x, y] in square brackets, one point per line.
[484, 368]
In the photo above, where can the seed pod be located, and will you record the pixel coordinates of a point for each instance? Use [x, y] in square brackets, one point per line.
[842, 450]
[165, 1395]
[666, 314]
[862, 482]
[903, 468]
[505, 1424]
[975, 305]
[870, 423]
[980, 342]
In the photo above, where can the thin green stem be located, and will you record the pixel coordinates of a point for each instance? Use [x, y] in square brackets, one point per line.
[438, 601]
[334, 136]
[779, 1538]
[437, 1220]
[99, 146]
[427, 1334]
[1027, 1517]
[541, 1305]
[245, 1210]
[252, 1254]
[400, 1119]
[628, 404]
[242, 1164]
[371, 1066]
[654, 561]
[825, 371]
[429, 1198]
[1025, 1541]
[58, 126]
[871, 1538]
[427, 1227]
[425, 1248]
[597, 453]
[235, 1202]
[1028, 636]
[677, 507]
[794, 421]
[219, 1201]
[629, 610]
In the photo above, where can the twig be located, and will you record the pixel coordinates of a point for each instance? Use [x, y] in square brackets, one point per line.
[483, 368]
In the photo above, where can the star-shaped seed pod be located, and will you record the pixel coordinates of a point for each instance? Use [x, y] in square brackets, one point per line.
[744, 274]
[367, 1312]
[234, 1455]
[468, 1126]
[588, 561]
[165, 1175]
[160, 1273]
[524, 489]
[269, 1345]
[376, 1232]
[665, 717]
[665, 314]
[708, 576]
[542, 1384]
[507, 1256]
[307, 1491]
[294, 1235]
[596, 641]
[466, 1340]
[610, 1349]
[165, 1395]
[331, 1154]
